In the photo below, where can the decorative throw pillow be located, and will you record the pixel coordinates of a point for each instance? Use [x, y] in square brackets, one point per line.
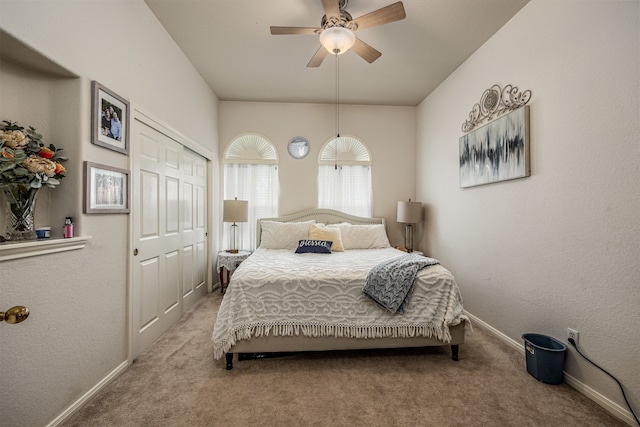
[283, 235]
[364, 236]
[327, 232]
[314, 247]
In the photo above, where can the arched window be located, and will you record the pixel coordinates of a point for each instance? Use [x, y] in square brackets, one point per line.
[251, 173]
[344, 176]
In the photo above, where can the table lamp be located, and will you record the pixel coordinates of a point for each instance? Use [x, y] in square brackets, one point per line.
[235, 211]
[409, 213]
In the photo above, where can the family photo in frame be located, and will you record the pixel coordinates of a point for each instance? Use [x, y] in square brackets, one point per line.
[109, 119]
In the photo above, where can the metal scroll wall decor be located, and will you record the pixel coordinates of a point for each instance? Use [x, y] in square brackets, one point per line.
[494, 103]
[498, 150]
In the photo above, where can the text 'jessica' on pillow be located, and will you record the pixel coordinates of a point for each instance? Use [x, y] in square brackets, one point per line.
[283, 235]
[314, 247]
[327, 232]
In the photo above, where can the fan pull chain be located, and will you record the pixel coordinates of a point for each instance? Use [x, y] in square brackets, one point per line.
[337, 109]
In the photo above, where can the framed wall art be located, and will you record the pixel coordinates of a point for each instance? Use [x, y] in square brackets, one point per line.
[106, 189]
[109, 119]
[499, 150]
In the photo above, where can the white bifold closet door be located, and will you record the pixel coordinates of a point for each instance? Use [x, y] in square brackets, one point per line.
[169, 208]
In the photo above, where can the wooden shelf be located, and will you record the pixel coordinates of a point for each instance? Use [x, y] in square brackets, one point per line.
[24, 249]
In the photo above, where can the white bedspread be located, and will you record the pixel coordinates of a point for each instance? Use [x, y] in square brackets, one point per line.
[277, 292]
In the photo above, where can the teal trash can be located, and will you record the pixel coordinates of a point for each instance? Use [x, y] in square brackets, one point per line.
[545, 357]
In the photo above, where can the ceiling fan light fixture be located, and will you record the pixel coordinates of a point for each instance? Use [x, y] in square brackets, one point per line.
[337, 40]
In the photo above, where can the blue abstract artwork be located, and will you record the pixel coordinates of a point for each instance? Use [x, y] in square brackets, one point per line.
[498, 151]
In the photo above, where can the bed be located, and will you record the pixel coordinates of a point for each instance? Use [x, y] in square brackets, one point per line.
[280, 301]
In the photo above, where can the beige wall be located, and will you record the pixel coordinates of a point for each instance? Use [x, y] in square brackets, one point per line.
[561, 248]
[388, 132]
[77, 332]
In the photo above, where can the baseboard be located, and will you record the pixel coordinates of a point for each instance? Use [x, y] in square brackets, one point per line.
[476, 321]
[66, 414]
[612, 407]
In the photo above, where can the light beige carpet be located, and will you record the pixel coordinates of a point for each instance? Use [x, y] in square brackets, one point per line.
[176, 382]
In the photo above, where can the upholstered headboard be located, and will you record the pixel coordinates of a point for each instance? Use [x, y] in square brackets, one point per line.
[325, 216]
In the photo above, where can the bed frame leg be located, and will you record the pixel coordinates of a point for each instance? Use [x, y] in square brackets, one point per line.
[455, 350]
[229, 357]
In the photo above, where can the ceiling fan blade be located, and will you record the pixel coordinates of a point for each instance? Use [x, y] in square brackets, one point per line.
[393, 12]
[367, 53]
[331, 8]
[293, 30]
[317, 59]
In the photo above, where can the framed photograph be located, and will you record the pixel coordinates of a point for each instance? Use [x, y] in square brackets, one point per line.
[498, 151]
[109, 119]
[106, 189]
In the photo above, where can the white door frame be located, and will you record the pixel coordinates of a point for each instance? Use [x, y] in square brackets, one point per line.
[137, 113]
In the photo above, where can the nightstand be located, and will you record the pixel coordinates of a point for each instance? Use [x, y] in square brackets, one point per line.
[401, 248]
[229, 262]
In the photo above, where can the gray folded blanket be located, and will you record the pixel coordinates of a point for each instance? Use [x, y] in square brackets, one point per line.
[390, 283]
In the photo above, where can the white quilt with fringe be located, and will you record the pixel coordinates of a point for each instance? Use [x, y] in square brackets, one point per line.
[278, 292]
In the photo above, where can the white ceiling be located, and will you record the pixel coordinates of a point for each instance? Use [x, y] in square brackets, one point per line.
[229, 43]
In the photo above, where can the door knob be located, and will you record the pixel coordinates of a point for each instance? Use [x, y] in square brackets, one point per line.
[15, 314]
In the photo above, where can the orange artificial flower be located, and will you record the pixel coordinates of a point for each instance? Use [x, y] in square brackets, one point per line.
[45, 153]
[7, 155]
[59, 169]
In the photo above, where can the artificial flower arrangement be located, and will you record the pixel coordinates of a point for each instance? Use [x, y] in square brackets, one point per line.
[24, 158]
[26, 164]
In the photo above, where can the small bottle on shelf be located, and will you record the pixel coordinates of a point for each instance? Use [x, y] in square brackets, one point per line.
[68, 227]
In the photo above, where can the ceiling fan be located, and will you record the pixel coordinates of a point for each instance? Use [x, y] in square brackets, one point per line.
[337, 30]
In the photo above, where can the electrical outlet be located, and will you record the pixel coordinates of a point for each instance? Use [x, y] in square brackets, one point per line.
[572, 333]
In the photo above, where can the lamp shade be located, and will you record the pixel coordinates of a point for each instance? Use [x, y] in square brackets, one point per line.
[409, 212]
[235, 211]
[337, 40]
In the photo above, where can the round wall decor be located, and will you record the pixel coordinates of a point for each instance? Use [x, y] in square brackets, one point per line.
[298, 147]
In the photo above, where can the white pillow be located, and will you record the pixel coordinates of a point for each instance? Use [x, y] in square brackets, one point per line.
[364, 236]
[283, 235]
